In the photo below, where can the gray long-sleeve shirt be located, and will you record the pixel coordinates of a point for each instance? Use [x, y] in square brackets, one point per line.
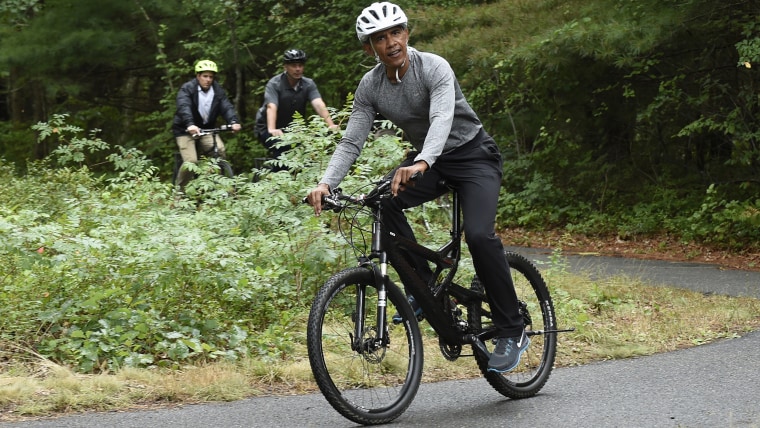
[428, 105]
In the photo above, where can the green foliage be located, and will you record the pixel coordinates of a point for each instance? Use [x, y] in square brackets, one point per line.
[111, 270]
[12, 150]
[600, 110]
[727, 222]
[595, 107]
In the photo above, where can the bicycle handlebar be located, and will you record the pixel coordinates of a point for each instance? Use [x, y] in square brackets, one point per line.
[210, 131]
[337, 201]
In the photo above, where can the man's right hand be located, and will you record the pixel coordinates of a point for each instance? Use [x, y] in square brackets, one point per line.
[403, 175]
[315, 197]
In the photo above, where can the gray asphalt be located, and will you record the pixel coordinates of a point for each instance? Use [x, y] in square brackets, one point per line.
[714, 385]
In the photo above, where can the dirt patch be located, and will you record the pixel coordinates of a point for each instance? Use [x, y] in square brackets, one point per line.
[654, 248]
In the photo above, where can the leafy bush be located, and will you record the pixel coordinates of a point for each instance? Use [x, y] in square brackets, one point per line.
[105, 271]
[727, 223]
[601, 110]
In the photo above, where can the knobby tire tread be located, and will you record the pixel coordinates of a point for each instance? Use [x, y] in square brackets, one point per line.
[520, 266]
[337, 399]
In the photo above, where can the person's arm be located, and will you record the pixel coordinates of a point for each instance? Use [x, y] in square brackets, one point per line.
[185, 108]
[272, 120]
[352, 140]
[271, 100]
[319, 106]
[442, 86]
[350, 146]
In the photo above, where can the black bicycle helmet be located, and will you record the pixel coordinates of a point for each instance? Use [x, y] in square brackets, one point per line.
[294, 55]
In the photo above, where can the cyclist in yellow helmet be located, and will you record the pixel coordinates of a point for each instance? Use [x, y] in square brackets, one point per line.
[200, 102]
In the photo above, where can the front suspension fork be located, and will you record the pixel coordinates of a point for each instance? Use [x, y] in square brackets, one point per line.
[380, 338]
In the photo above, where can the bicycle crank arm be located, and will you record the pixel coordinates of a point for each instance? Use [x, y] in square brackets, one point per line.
[477, 344]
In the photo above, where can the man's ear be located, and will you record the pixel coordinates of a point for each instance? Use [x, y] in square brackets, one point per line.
[368, 49]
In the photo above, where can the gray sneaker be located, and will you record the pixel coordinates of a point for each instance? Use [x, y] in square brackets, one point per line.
[417, 311]
[506, 354]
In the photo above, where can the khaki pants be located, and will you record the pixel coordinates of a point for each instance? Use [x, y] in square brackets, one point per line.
[187, 150]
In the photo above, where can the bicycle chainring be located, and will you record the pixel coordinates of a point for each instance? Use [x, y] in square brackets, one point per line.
[450, 352]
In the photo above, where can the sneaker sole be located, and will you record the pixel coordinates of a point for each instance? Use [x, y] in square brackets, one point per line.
[491, 369]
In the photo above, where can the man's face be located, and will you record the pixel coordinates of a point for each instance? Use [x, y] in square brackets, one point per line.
[294, 70]
[390, 46]
[205, 79]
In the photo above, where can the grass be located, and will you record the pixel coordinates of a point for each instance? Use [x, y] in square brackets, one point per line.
[616, 317]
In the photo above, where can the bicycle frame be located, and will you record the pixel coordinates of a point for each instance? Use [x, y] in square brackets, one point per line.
[214, 151]
[428, 295]
[375, 380]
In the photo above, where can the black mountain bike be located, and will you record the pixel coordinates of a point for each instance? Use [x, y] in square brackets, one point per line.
[368, 366]
[224, 167]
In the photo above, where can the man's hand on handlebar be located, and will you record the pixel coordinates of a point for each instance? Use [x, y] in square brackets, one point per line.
[195, 131]
[403, 176]
[314, 198]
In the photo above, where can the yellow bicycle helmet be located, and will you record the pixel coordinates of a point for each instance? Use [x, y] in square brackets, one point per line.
[205, 65]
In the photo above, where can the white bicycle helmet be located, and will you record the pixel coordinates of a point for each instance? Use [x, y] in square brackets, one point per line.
[378, 17]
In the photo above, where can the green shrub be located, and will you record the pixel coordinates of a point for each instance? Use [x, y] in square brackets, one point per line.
[112, 270]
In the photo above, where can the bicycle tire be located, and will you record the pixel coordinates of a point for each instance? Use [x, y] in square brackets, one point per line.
[537, 361]
[225, 168]
[368, 386]
[177, 166]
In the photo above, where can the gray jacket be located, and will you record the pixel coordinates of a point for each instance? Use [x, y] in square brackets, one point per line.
[428, 105]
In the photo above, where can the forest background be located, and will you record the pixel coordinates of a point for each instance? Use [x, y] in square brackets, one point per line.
[622, 117]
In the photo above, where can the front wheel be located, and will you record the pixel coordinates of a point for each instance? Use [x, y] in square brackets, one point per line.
[537, 309]
[225, 168]
[366, 379]
[177, 166]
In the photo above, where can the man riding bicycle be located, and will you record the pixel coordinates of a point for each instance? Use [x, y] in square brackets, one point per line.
[200, 102]
[284, 95]
[420, 94]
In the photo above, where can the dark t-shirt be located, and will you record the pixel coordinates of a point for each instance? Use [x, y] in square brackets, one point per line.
[288, 100]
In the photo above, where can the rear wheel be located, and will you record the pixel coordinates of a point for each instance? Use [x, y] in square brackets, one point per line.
[538, 314]
[365, 379]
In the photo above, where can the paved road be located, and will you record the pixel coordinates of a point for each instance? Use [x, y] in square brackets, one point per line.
[715, 385]
[706, 278]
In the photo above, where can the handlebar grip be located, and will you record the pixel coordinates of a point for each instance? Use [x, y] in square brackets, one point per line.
[329, 202]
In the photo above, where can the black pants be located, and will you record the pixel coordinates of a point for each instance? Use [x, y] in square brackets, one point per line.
[475, 171]
[274, 152]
